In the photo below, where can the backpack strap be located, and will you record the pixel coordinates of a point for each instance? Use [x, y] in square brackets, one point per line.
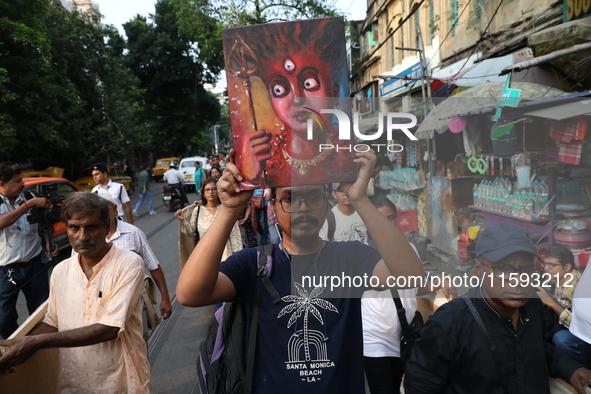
[265, 267]
[197, 237]
[265, 253]
[332, 224]
[490, 343]
[401, 314]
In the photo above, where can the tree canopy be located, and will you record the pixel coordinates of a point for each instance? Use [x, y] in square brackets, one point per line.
[74, 91]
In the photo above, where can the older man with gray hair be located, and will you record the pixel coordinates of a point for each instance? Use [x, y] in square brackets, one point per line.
[94, 311]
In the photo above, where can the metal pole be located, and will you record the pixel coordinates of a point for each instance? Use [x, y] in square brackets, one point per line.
[215, 139]
[426, 92]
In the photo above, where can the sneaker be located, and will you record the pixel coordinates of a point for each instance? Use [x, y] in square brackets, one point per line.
[135, 214]
[153, 212]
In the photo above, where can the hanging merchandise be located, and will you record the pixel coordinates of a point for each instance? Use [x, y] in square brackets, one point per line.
[570, 153]
[566, 130]
[523, 170]
[457, 125]
[477, 165]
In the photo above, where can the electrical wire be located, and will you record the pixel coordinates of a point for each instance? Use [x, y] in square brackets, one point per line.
[444, 39]
[481, 38]
[391, 34]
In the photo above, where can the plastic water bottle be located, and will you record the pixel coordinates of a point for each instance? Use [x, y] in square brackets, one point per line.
[509, 204]
[543, 197]
[529, 204]
[486, 195]
[535, 188]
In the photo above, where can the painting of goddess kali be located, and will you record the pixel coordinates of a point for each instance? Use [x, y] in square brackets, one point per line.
[280, 76]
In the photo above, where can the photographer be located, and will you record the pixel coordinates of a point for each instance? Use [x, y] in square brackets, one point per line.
[21, 267]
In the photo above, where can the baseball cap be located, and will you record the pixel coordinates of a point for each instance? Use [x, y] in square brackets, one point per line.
[496, 242]
[102, 167]
[106, 195]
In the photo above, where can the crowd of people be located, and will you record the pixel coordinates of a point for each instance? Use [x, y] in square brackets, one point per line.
[497, 339]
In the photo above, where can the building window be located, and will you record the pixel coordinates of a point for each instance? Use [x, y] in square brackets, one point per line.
[478, 5]
[416, 29]
[401, 41]
[373, 34]
[432, 20]
[453, 16]
[392, 50]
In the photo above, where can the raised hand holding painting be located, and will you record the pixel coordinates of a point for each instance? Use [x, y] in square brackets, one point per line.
[289, 72]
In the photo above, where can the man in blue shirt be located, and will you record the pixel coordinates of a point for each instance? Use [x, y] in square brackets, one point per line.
[311, 339]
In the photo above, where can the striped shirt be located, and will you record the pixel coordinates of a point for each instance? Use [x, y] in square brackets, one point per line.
[564, 296]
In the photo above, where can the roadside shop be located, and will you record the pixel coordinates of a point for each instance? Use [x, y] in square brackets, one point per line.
[528, 162]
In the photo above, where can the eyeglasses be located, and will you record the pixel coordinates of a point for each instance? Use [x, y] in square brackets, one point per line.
[503, 271]
[293, 203]
[212, 190]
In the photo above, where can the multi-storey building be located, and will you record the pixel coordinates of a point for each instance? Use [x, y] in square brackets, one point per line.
[454, 35]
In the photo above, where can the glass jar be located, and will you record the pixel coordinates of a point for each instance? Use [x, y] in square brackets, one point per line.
[452, 170]
[440, 171]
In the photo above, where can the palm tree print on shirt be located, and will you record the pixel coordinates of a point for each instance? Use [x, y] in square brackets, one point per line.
[306, 303]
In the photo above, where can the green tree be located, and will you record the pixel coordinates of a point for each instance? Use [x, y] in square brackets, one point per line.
[23, 46]
[203, 20]
[176, 105]
[65, 91]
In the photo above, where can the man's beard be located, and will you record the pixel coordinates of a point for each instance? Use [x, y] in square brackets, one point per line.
[307, 238]
[304, 239]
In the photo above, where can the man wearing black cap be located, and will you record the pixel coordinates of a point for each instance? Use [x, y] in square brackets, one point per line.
[117, 190]
[453, 354]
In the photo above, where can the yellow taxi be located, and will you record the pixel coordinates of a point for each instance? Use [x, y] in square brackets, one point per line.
[86, 182]
[55, 172]
[163, 165]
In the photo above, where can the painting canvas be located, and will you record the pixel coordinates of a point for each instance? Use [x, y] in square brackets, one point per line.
[280, 77]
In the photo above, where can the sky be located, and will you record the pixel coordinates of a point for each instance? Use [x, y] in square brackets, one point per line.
[118, 12]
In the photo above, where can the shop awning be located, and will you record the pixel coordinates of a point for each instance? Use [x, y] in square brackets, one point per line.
[563, 111]
[478, 99]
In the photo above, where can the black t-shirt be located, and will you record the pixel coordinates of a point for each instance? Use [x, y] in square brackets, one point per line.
[306, 343]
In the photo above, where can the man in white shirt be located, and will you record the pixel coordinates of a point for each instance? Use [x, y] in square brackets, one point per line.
[176, 179]
[94, 311]
[129, 237]
[345, 223]
[117, 190]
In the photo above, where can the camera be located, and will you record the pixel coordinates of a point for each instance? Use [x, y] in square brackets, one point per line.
[47, 217]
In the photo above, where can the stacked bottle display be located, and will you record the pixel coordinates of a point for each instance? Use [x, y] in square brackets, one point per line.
[505, 197]
[403, 202]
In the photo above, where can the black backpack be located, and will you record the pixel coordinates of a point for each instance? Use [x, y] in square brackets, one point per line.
[224, 366]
